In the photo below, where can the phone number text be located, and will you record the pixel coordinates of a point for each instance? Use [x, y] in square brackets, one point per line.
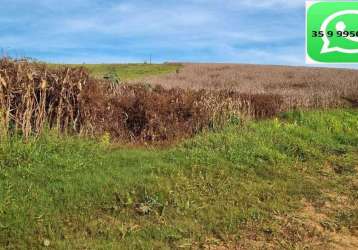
[335, 33]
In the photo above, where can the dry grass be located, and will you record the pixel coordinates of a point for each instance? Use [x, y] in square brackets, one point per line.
[144, 113]
[33, 96]
[67, 99]
[299, 87]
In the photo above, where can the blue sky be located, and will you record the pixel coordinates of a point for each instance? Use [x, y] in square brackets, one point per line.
[94, 31]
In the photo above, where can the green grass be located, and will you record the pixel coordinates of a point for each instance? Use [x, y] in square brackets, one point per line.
[219, 187]
[128, 71]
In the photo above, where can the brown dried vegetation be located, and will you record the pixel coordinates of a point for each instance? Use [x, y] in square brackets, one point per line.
[299, 87]
[33, 96]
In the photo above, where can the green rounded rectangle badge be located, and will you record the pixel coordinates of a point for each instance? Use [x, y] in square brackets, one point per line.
[331, 32]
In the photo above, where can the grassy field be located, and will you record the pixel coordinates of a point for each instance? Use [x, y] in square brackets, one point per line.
[285, 183]
[126, 72]
[288, 182]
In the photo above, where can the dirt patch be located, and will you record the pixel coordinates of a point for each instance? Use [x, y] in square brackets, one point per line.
[336, 240]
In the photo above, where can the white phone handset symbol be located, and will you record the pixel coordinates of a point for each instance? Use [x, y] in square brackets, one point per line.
[341, 26]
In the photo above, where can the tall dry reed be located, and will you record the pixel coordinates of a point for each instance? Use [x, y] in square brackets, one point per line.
[69, 100]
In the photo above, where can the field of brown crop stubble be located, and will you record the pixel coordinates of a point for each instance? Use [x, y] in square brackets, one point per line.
[300, 87]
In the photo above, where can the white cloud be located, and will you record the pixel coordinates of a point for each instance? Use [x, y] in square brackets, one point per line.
[274, 3]
[242, 4]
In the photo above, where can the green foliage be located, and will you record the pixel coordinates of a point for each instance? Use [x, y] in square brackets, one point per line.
[79, 193]
[123, 72]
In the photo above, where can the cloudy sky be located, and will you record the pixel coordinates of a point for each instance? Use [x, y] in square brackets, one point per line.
[95, 31]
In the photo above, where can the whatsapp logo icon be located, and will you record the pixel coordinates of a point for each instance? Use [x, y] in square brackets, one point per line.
[332, 32]
[339, 44]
